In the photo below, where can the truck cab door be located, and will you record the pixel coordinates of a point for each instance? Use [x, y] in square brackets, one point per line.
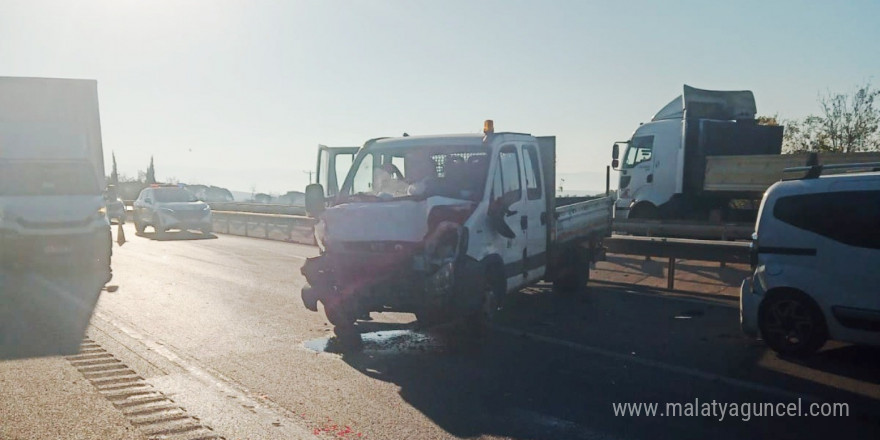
[637, 169]
[534, 219]
[333, 166]
[506, 199]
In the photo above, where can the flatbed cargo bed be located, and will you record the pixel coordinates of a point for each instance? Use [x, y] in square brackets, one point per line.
[755, 173]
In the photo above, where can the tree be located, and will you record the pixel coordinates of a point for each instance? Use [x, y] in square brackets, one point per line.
[805, 135]
[768, 120]
[848, 123]
[151, 173]
[114, 175]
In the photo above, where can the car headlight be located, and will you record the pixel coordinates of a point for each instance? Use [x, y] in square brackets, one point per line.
[206, 208]
[102, 213]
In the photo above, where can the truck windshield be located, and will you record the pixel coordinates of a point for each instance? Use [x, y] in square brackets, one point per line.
[173, 195]
[416, 173]
[639, 150]
[48, 179]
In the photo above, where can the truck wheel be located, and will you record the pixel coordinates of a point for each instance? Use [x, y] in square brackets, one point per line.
[644, 211]
[575, 273]
[431, 317]
[792, 324]
[343, 324]
[494, 288]
[139, 227]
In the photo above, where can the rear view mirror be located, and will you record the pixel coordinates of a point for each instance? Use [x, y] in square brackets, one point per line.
[615, 152]
[315, 199]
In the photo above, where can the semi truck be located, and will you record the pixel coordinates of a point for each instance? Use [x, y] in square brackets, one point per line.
[53, 221]
[445, 227]
[704, 157]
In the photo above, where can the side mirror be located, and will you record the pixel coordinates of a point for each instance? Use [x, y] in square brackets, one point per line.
[615, 152]
[615, 164]
[148, 201]
[315, 202]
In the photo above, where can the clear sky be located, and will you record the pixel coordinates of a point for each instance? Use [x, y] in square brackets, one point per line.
[240, 93]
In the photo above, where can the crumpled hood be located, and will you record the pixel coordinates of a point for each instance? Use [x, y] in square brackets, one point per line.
[403, 220]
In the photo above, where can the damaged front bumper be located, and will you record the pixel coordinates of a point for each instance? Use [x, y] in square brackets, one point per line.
[373, 285]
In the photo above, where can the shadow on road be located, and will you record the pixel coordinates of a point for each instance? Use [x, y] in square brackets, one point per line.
[44, 313]
[514, 384]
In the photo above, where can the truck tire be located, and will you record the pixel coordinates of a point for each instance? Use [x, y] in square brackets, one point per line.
[138, 226]
[432, 317]
[493, 291]
[575, 273]
[644, 211]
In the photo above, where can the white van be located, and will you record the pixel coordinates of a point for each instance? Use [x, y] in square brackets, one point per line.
[816, 255]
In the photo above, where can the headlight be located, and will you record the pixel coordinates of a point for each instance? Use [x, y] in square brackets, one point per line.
[102, 213]
[206, 208]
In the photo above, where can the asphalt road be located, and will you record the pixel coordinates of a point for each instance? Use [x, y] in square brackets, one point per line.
[216, 324]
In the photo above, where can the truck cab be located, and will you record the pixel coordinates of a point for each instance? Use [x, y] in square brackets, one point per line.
[441, 226]
[667, 171]
[648, 170]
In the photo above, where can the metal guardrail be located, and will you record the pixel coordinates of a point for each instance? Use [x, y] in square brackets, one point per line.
[678, 248]
[293, 228]
[262, 208]
[300, 229]
[656, 228]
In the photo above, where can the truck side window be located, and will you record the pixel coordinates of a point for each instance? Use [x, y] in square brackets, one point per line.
[533, 173]
[640, 150]
[342, 165]
[363, 177]
[508, 163]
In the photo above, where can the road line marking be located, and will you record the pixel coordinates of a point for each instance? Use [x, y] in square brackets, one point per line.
[677, 369]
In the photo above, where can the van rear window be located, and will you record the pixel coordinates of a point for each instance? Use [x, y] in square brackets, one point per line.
[849, 217]
[48, 179]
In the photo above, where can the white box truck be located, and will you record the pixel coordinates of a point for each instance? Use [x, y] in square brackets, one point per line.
[704, 157]
[55, 240]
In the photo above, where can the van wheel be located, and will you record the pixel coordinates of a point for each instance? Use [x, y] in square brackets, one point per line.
[342, 318]
[492, 295]
[792, 324]
[428, 317]
[574, 273]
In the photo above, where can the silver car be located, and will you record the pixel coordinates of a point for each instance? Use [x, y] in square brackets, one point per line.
[170, 207]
